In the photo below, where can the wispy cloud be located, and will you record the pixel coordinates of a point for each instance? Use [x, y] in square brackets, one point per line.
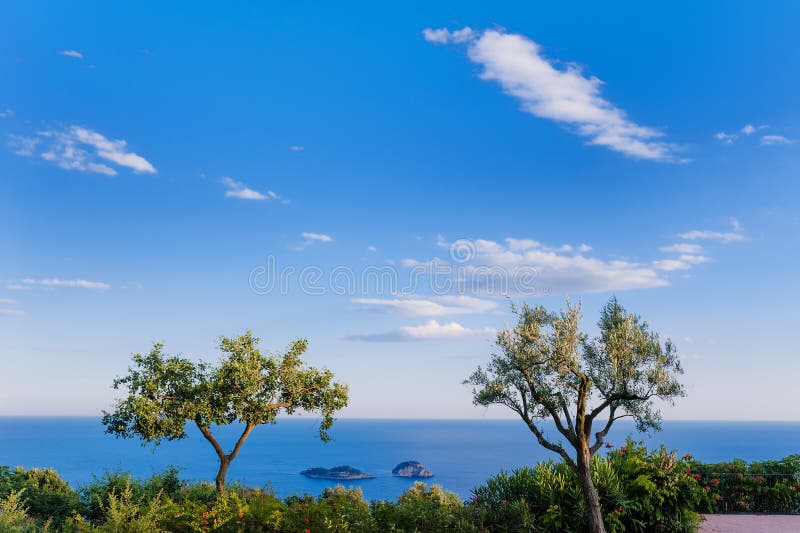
[682, 248]
[24, 146]
[727, 138]
[747, 130]
[547, 269]
[321, 237]
[71, 53]
[79, 148]
[11, 312]
[237, 189]
[436, 306]
[431, 330]
[7, 113]
[56, 282]
[723, 236]
[8, 301]
[565, 95]
[311, 238]
[296, 148]
[768, 140]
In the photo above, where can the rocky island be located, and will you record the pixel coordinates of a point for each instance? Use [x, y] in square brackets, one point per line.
[337, 473]
[411, 469]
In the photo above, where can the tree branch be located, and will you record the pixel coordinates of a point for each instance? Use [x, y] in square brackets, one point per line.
[209, 437]
[600, 435]
[248, 428]
[547, 444]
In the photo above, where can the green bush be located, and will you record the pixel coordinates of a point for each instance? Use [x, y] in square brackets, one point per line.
[640, 491]
[42, 491]
[423, 509]
[14, 514]
[757, 487]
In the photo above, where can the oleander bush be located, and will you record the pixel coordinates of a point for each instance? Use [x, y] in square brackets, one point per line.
[756, 487]
[640, 490]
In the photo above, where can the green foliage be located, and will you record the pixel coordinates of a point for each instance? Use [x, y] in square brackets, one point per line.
[545, 368]
[165, 392]
[44, 494]
[96, 496]
[757, 487]
[423, 509]
[126, 514]
[659, 496]
[640, 491]
[13, 514]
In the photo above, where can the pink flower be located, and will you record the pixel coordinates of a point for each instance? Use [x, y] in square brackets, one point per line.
[504, 502]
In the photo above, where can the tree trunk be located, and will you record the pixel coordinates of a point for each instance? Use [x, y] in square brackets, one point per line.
[219, 481]
[590, 495]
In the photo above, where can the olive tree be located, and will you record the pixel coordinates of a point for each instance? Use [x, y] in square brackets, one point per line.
[165, 392]
[546, 369]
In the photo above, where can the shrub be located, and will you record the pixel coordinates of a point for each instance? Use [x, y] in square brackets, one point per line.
[658, 494]
[757, 487]
[640, 491]
[13, 514]
[423, 509]
[42, 491]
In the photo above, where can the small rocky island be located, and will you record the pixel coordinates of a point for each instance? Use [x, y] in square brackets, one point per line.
[411, 469]
[337, 473]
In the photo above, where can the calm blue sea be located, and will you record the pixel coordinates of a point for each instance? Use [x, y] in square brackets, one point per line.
[462, 454]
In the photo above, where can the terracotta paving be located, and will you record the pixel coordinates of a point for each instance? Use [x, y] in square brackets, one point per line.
[751, 523]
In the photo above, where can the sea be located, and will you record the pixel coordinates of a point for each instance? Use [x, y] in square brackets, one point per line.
[462, 454]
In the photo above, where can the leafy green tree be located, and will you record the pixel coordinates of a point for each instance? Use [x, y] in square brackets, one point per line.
[165, 392]
[546, 368]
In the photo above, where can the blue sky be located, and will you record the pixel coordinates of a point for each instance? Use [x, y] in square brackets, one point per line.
[156, 159]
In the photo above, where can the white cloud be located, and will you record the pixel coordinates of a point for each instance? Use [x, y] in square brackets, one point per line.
[445, 36]
[71, 53]
[7, 301]
[237, 189]
[321, 237]
[7, 113]
[17, 287]
[11, 312]
[584, 248]
[78, 148]
[372, 249]
[682, 248]
[540, 269]
[670, 265]
[748, 129]
[296, 148]
[722, 236]
[24, 146]
[431, 330]
[436, 306]
[767, 140]
[521, 244]
[727, 138]
[56, 282]
[114, 151]
[564, 95]
[694, 259]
